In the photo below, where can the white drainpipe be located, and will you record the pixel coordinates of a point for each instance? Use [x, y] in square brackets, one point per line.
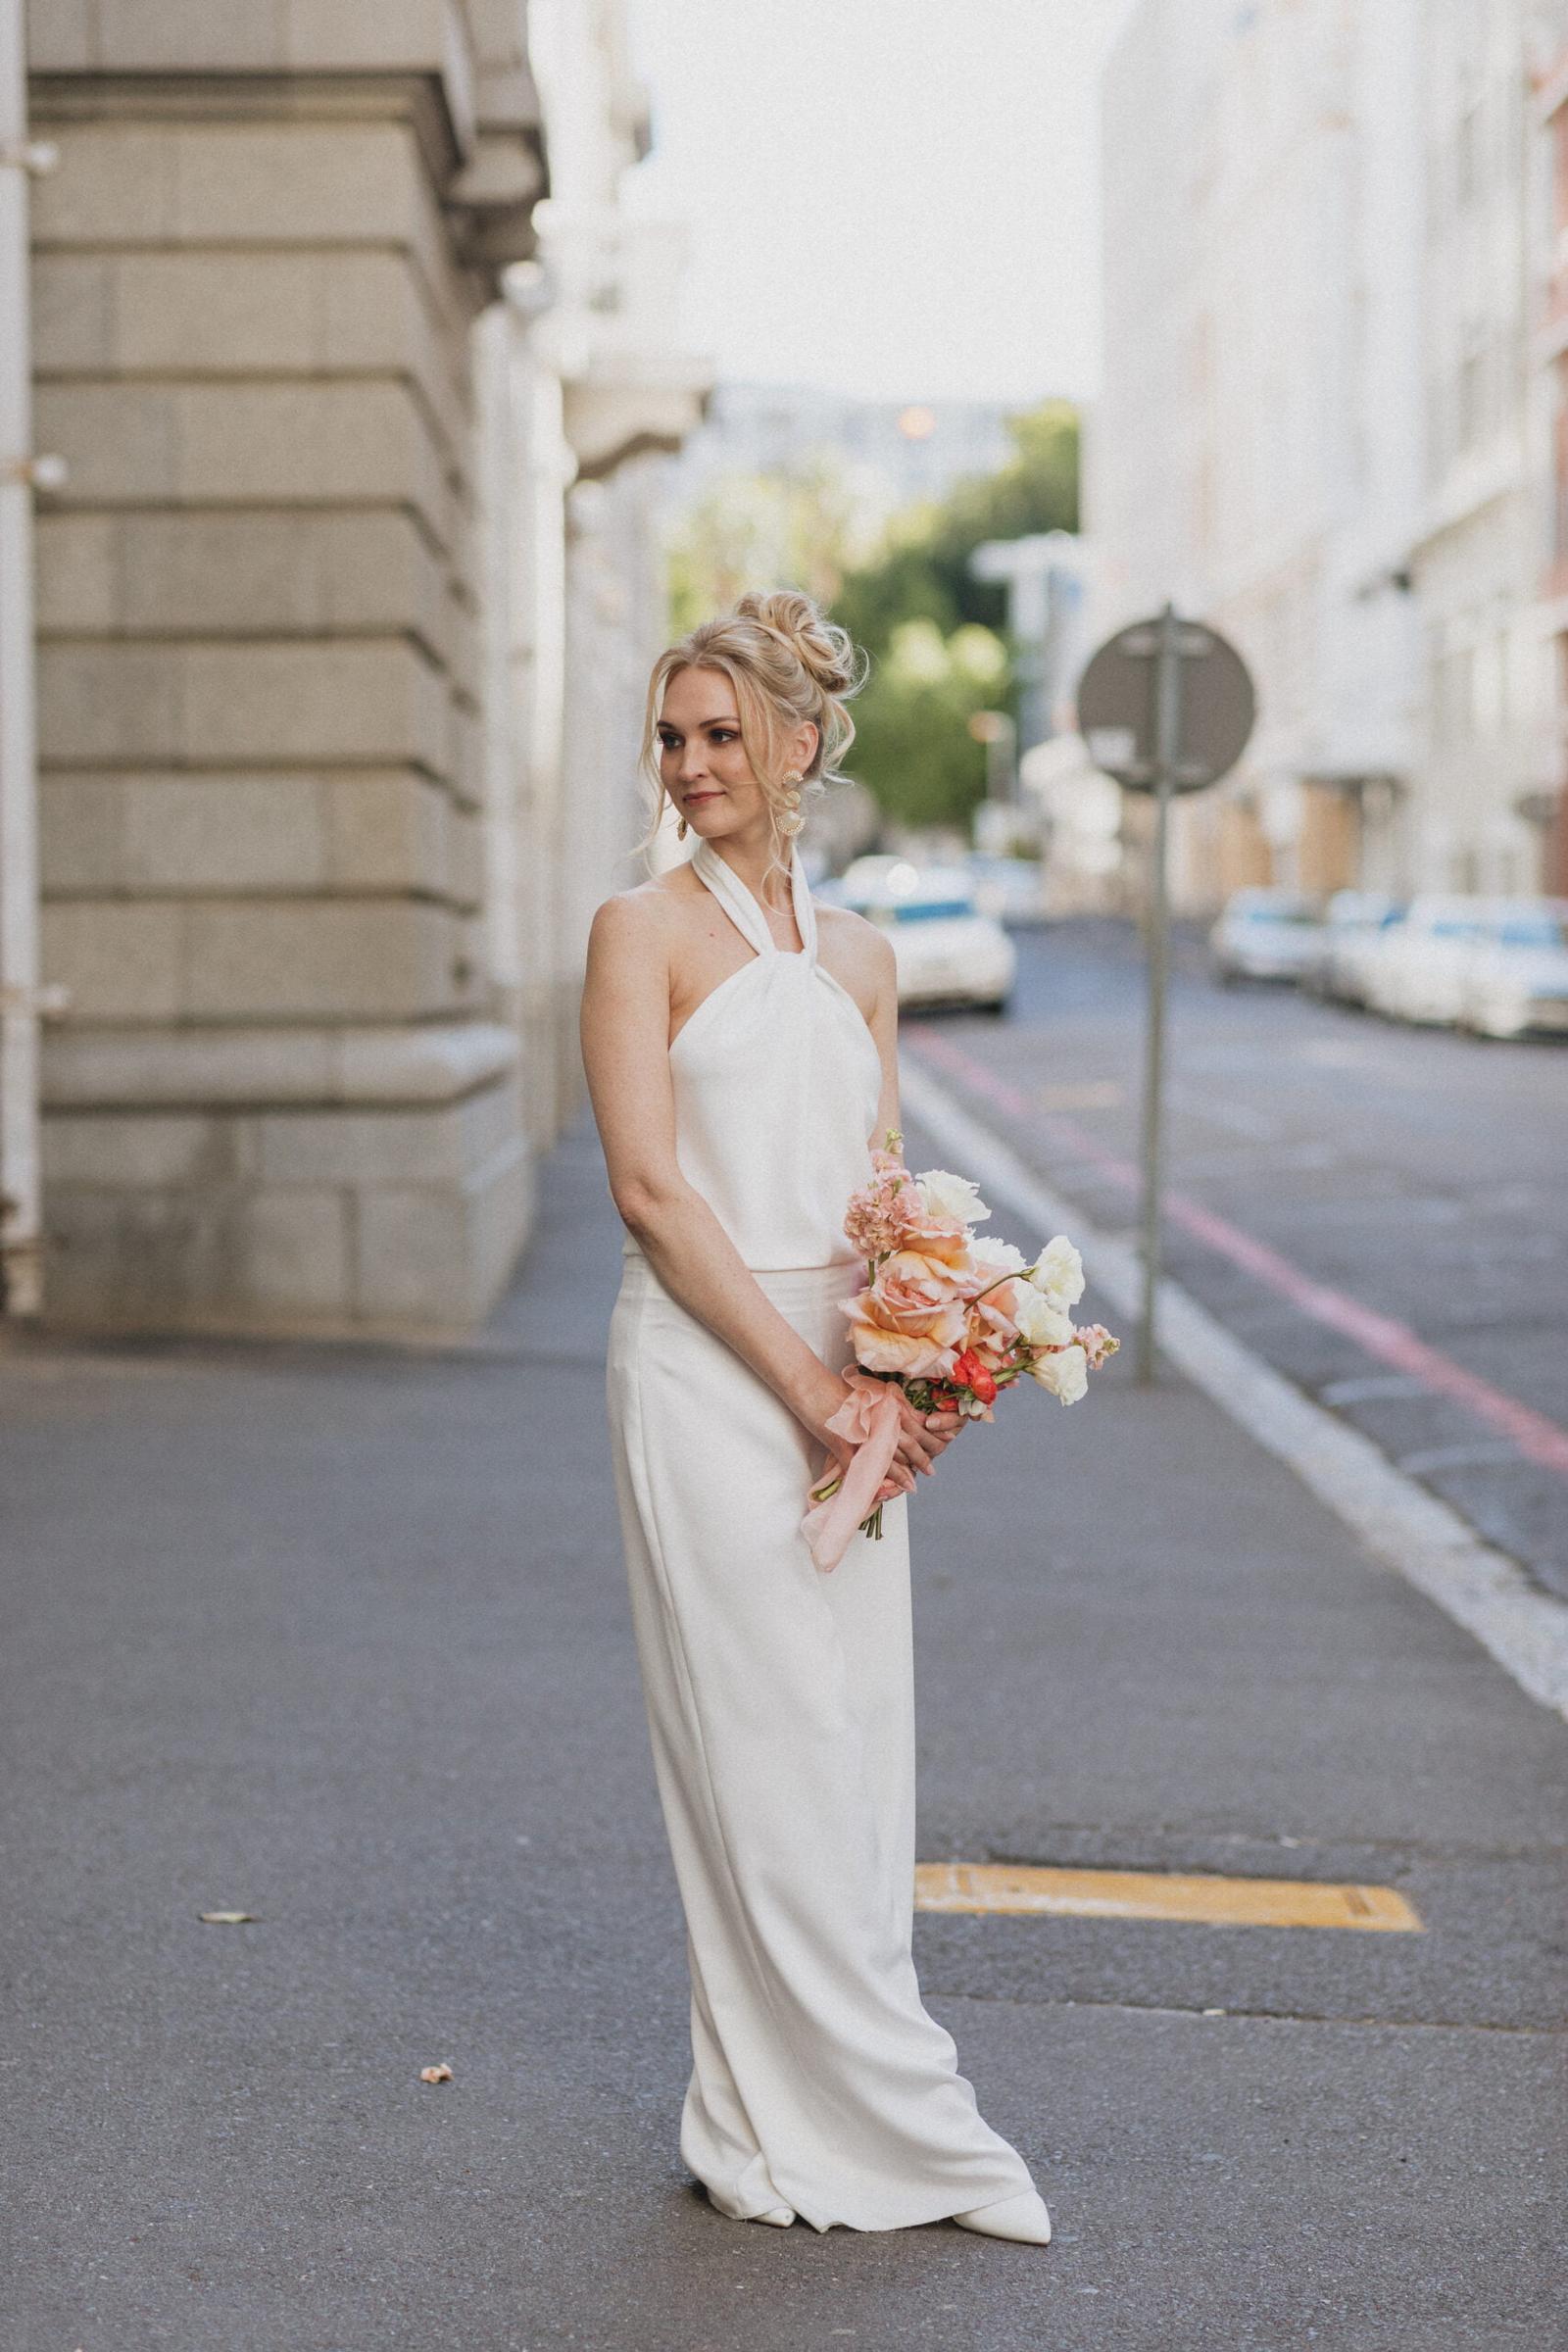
[21, 1233]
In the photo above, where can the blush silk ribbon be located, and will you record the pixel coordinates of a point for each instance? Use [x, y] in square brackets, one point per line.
[869, 1418]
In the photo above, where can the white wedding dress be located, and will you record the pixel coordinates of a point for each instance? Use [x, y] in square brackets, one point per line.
[780, 1699]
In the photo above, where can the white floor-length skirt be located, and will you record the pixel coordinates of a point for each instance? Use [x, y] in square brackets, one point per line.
[780, 1702]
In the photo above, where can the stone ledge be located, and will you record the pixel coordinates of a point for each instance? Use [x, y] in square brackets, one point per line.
[250, 1068]
[92, 95]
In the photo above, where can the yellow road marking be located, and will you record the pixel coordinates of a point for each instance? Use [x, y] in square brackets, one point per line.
[1208, 1900]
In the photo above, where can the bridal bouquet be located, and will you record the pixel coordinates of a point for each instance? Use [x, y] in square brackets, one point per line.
[947, 1315]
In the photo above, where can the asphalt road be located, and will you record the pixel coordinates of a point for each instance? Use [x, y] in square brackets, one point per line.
[339, 1637]
[1353, 1198]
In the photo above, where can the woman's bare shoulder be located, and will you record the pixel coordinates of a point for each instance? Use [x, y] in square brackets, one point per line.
[640, 920]
[855, 943]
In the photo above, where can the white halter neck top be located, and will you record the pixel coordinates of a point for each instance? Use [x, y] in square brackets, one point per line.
[777, 1079]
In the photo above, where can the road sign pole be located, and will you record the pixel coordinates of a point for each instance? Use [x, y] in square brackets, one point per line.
[1182, 736]
[1167, 750]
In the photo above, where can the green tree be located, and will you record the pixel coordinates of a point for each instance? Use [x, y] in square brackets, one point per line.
[912, 744]
[914, 751]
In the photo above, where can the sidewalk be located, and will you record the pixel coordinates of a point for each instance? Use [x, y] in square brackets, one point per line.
[338, 1636]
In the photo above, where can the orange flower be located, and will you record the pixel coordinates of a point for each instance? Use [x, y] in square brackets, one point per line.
[910, 1354]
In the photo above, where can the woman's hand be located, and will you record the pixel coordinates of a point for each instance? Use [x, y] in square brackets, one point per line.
[921, 1439]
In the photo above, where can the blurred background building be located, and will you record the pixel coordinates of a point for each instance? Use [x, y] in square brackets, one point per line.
[346, 585]
[896, 453]
[1331, 421]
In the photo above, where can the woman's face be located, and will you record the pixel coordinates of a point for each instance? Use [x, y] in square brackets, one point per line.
[702, 759]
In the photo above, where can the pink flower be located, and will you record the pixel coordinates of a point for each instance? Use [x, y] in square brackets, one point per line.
[879, 1211]
[1097, 1344]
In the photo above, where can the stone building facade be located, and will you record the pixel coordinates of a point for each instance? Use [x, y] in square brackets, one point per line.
[311, 885]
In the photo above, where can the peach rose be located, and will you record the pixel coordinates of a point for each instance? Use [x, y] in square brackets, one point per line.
[936, 1236]
[909, 1353]
[914, 1292]
[994, 1317]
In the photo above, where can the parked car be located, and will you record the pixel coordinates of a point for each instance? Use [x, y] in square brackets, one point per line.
[1516, 973]
[1354, 923]
[863, 880]
[1265, 935]
[1013, 889]
[947, 951]
[1417, 969]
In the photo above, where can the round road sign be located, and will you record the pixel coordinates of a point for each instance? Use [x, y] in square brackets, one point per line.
[1212, 710]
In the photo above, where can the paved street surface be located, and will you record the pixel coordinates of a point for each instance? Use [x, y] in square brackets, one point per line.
[1415, 1175]
[339, 1637]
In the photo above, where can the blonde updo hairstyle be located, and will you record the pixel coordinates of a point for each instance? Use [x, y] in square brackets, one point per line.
[787, 664]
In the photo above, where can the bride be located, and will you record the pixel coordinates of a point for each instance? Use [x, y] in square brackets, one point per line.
[741, 1056]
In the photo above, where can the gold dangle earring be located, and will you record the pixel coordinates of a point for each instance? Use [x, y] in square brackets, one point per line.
[792, 823]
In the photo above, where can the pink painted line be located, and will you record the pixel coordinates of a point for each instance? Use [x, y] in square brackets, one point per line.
[1381, 1337]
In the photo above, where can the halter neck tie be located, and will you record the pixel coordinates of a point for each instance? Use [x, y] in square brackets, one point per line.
[743, 908]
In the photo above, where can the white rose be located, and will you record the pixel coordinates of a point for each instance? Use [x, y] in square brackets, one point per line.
[1042, 1321]
[1065, 1374]
[1059, 1272]
[945, 1195]
[998, 1257]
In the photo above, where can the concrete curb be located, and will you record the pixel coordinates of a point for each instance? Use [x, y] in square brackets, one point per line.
[1397, 1521]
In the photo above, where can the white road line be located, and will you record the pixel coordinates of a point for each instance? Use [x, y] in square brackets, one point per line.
[1397, 1521]
[1483, 1455]
[1375, 1385]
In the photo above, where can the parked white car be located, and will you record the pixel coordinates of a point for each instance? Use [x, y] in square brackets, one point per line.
[1356, 923]
[863, 880]
[1265, 935]
[1013, 889]
[1516, 973]
[1417, 971]
[946, 952]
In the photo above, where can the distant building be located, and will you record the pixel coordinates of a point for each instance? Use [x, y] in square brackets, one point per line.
[896, 453]
[1482, 556]
[1255, 452]
[1336, 420]
[1548, 808]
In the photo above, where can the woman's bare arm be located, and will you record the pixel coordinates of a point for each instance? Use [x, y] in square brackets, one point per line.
[625, 1033]
[883, 1023]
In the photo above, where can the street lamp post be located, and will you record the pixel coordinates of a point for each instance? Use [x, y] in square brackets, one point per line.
[997, 730]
